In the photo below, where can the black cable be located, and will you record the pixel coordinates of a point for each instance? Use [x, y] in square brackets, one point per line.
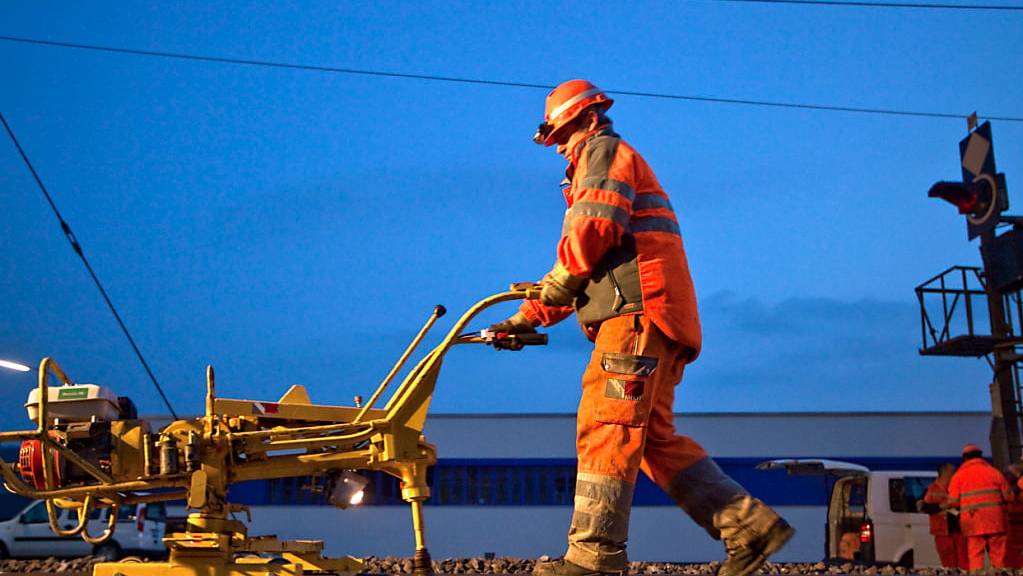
[66, 228]
[856, 4]
[307, 67]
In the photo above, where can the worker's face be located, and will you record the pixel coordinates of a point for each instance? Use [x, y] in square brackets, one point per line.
[568, 138]
[565, 140]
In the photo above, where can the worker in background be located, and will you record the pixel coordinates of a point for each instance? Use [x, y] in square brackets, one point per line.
[621, 268]
[1014, 510]
[948, 538]
[980, 492]
[849, 546]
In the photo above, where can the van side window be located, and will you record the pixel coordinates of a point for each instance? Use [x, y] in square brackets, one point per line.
[903, 493]
[36, 514]
[156, 511]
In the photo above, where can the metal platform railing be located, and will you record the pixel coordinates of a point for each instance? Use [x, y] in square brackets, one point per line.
[955, 297]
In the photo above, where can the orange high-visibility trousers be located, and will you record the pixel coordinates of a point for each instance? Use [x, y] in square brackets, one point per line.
[625, 423]
[995, 544]
[952, 550]
[625, 418]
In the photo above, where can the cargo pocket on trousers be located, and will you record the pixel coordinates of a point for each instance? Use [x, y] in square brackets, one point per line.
[626, 399]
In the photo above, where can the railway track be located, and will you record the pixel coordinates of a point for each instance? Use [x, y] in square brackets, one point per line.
[523, 567]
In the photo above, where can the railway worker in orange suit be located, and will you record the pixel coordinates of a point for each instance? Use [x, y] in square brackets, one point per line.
[981, 492]
[1014, 508]
[948, 538]
[621, 267]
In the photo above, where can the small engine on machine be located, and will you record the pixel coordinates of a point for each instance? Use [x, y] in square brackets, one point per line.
[87, 419]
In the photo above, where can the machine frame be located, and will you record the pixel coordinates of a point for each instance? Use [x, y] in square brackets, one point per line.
[197, 459]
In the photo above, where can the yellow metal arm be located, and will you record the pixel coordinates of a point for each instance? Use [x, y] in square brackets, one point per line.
[418, 387]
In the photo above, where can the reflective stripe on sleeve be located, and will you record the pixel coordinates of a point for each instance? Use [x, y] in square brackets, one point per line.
[650, 201]
[654, 224]
[600, 210]
[609, 184]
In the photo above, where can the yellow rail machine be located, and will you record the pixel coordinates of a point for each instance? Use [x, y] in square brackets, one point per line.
[89, 451]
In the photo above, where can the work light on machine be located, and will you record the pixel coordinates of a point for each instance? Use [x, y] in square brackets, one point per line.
[14, 366]
[348, 489]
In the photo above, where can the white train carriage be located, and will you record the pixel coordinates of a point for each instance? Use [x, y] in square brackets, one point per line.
[504, 483]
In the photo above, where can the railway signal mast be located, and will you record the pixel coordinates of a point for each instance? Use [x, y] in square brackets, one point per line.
[982, 197]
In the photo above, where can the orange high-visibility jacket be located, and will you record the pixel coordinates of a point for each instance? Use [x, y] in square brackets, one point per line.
[938, 494]
[621, 233]
[981, 493]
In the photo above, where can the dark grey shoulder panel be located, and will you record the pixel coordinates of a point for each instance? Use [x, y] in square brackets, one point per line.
[600, 152]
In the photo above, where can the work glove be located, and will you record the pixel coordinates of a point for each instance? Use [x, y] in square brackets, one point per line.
[560, 287]
[517, 324]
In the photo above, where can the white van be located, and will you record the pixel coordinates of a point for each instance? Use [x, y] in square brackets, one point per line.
[139, 531]
[875, 509]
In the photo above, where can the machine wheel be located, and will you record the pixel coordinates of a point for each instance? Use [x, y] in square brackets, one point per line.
[132, 560]
[4, 554]
[107, 551]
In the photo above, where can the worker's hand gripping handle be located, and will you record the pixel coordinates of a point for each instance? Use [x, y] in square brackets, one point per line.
[530, 339]
[505, 341]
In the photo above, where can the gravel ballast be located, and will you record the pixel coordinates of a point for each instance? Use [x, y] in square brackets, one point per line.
[508, 565]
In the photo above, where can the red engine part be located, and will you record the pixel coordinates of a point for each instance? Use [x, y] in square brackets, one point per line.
[30, 464]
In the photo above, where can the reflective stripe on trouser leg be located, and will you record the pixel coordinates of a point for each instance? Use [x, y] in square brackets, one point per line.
[703, 490]
[600, 523]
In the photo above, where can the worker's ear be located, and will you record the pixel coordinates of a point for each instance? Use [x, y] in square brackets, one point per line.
[592, 120]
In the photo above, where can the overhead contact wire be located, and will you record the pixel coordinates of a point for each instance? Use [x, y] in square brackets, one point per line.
[486, 82]
[77, 247]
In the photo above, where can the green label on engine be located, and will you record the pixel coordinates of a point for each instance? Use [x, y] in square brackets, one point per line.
[72, 393]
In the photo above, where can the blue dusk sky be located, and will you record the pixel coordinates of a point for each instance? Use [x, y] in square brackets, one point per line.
[298, 227]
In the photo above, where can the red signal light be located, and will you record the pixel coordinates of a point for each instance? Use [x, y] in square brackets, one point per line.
[962, 196]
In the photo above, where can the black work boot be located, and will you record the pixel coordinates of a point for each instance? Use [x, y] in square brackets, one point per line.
[752, 531]
[562, 567]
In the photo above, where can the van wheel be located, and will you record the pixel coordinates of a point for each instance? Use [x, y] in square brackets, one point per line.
[907, 560]
[4, 554]
[107, 551]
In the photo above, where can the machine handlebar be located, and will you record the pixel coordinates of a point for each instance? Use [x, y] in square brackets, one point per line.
[504, 340]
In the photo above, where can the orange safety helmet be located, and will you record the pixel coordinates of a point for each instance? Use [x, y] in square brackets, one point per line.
[564, 104]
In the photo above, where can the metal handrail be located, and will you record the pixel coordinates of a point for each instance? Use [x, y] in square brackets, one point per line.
[958, 290]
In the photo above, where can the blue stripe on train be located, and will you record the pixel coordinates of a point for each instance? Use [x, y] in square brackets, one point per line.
[545, 482]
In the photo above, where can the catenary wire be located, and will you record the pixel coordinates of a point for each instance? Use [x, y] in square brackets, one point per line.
[481, 81]
[66, 228]
[855, 4]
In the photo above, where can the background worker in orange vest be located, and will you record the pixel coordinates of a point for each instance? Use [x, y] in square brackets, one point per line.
[1014, 508]
[948, 538]
[622, 269]
[981, 492]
